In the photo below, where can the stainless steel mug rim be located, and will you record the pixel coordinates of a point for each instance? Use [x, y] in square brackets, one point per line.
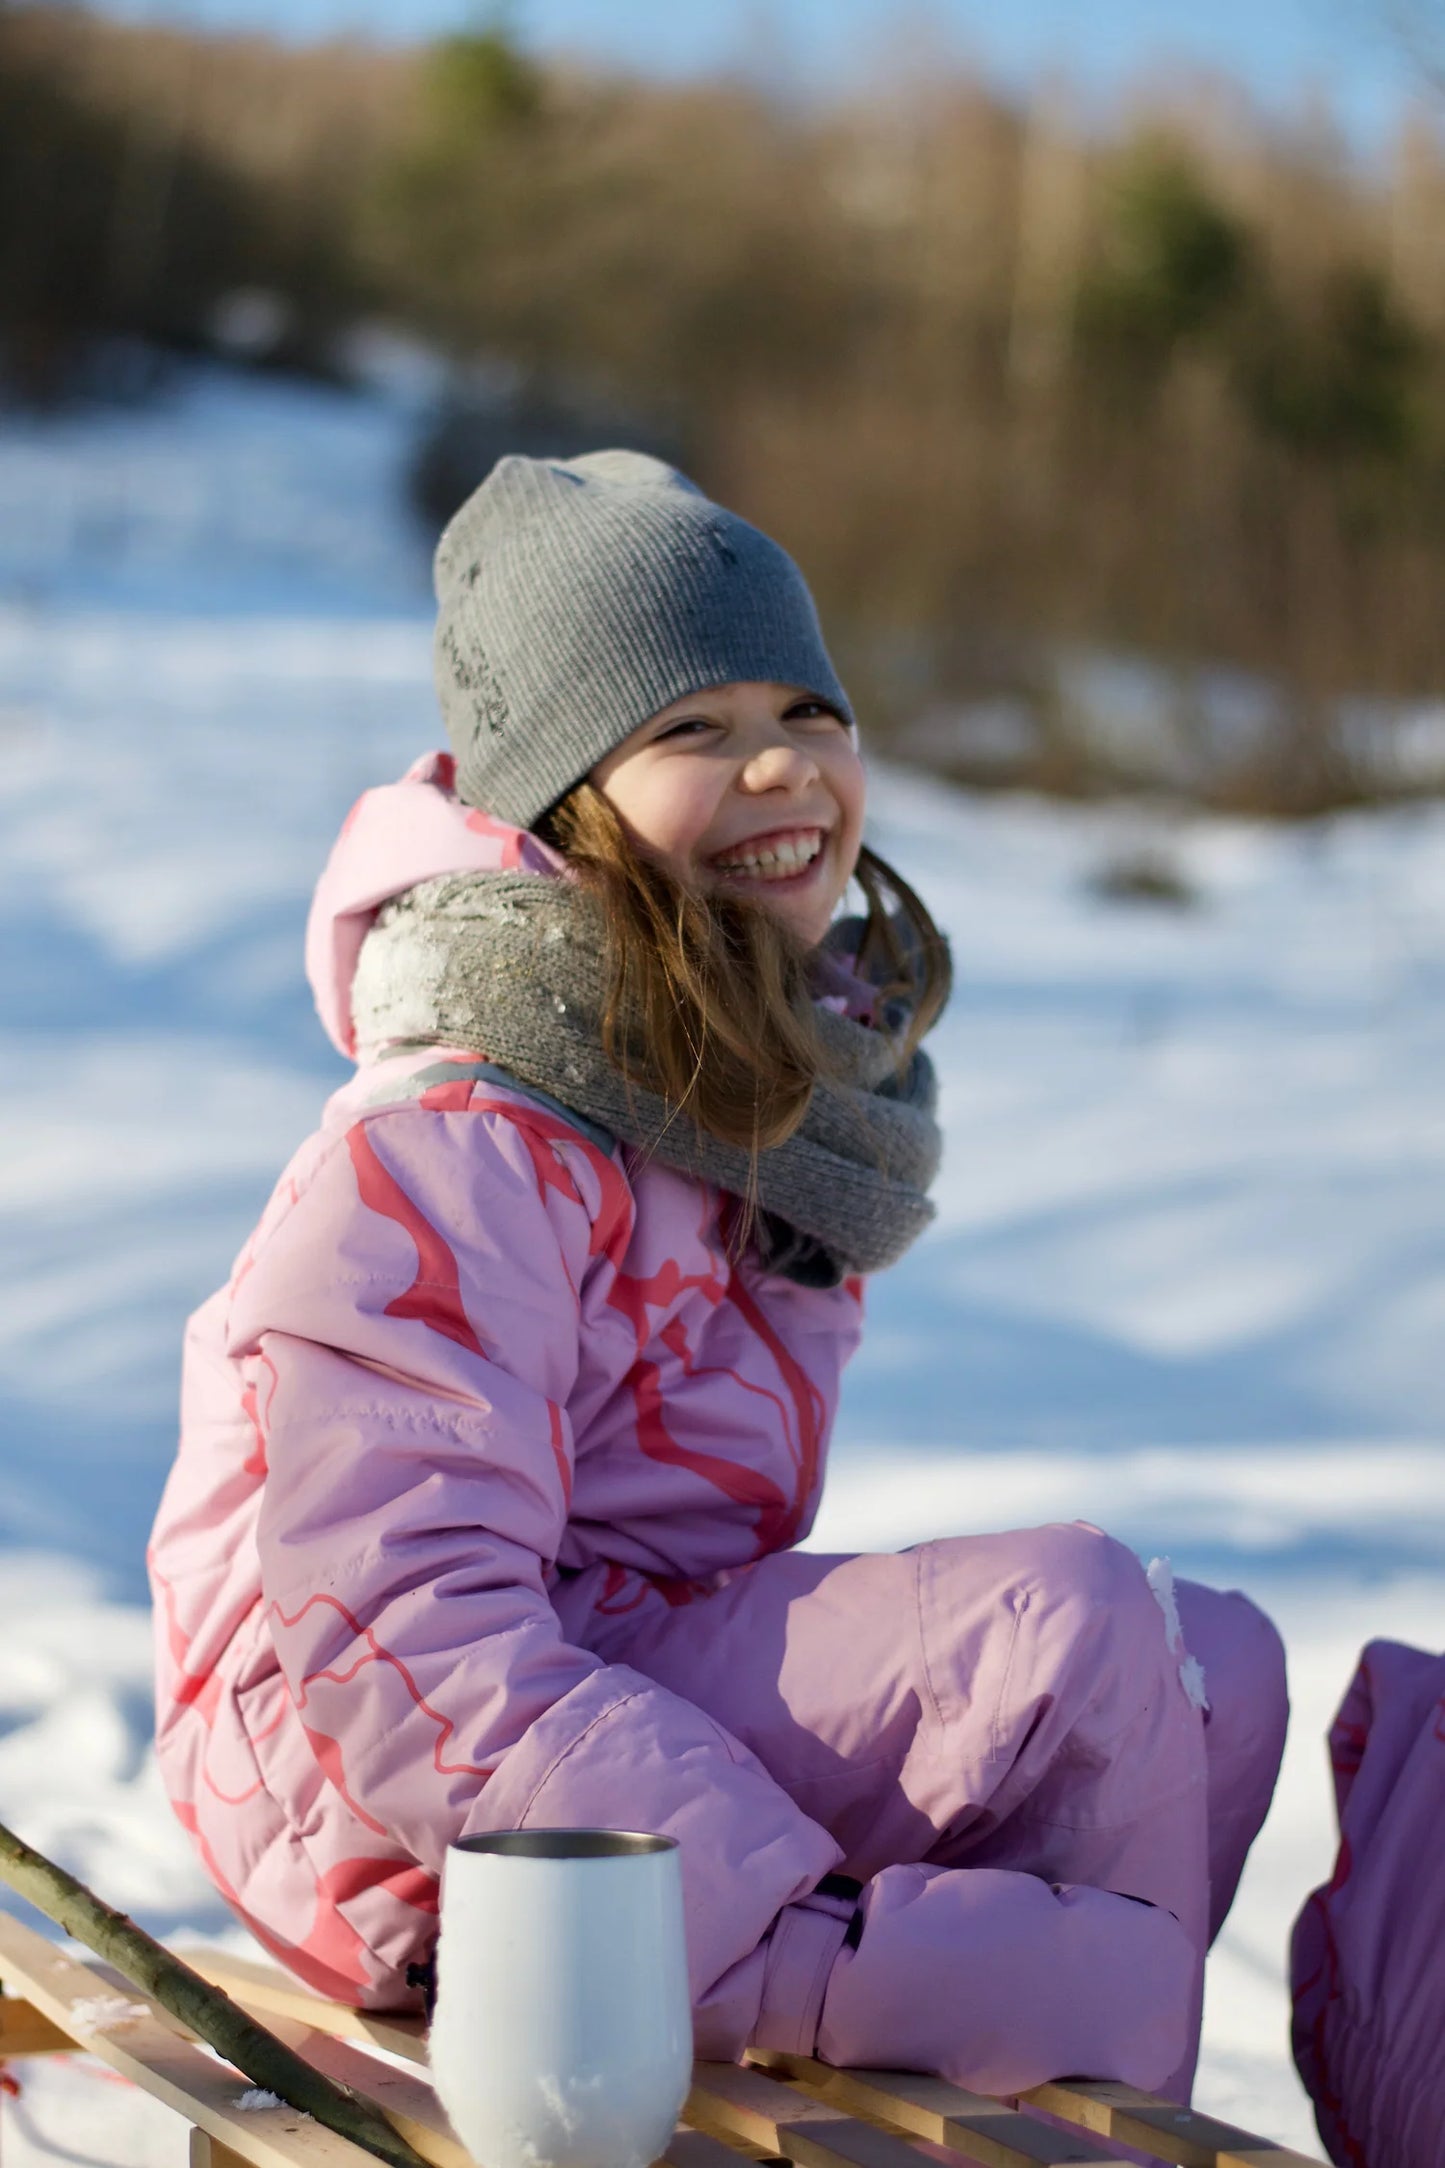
[566, 1843]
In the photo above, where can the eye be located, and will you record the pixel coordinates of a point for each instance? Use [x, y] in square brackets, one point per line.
[808, 711]
[688, 723]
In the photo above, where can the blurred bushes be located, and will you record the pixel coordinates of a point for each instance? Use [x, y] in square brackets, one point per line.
[1173, 264]
[1344, 380]
[1012, 391]
[145, 175]
[649, 247]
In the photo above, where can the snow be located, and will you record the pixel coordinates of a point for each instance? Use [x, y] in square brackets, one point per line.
[1160, 1575]
[106, 2013]
[1188, 1274]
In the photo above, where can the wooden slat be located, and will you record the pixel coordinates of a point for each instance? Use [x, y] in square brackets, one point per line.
[24, 2031]
[1181, 2136]
[795, 2124]
[971, 2124]
[208, 2152]
[696, 2117]
[699, 2149]
[405, 2097]
[152, 2053]
[268, 1992]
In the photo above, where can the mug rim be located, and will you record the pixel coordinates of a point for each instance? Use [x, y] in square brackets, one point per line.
[564, 1844]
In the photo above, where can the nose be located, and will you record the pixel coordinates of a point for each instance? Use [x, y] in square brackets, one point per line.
[780, 764]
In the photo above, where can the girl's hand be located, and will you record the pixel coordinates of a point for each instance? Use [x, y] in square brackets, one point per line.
[998, 1981]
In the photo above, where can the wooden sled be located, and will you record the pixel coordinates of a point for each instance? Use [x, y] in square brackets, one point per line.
[775, 2108]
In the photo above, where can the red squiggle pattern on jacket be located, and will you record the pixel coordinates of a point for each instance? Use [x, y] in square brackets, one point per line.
[634, 1293]
[778, 1517]
[542, 1133]
[253, 1740]
[198, 1690]
[674, 1338]
[333, 1944]
[807, 1404]
[676, 1590]
[434, 1297]
[557, 1439]
[746, 1486]
[447, 1098]
[329, 1760]
[332, 1960]
[510, 839]
[616, 1580]
[383, 1655]
[549, 1173]
[352, 1878]
[257, 1416]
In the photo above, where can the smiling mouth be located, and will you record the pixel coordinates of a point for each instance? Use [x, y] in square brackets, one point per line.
[783, 856]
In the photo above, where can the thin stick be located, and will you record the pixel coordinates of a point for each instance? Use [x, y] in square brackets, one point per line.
[205, 2010]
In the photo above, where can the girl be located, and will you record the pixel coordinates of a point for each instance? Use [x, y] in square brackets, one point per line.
[496, 1448]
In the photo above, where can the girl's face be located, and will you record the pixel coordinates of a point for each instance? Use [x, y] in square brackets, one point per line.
[751, 789]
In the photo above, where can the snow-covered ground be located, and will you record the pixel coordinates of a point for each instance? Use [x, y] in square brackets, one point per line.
[1188, 1276]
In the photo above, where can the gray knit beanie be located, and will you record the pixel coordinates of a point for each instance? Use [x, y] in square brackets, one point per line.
[577, 597]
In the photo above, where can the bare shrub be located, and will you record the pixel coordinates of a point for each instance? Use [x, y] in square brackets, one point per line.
[1011, 389]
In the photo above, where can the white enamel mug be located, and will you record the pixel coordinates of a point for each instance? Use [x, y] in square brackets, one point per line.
[562, 2035]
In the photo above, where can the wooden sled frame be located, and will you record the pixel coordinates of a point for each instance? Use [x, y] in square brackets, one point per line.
[774, 2108]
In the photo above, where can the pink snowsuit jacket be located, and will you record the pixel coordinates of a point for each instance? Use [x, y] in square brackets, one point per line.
[492, 1470]
[359, 1661]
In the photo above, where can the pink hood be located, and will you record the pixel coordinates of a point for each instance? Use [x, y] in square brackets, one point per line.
[394, 837]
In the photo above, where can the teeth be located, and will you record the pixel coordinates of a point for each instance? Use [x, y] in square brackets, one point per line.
[784, 856]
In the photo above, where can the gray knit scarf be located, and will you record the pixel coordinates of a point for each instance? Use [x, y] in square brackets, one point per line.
[511, 965]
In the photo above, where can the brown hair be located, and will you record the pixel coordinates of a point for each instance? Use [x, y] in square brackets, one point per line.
[710, 999]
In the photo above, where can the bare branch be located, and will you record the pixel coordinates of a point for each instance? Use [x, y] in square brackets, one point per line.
[207, 2010]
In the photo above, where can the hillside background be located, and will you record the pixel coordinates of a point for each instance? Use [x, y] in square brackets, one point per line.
[1113, 441]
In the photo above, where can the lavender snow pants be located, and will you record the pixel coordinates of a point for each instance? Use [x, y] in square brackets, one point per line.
[1004, 1701]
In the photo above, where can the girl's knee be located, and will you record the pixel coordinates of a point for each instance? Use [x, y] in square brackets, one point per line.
[1091, 1591]
[1070, 1607]
[1065, 1565]
[1081, 1567]
[1071, 1702]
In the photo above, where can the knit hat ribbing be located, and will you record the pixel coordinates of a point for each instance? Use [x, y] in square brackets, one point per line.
[577, 597]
